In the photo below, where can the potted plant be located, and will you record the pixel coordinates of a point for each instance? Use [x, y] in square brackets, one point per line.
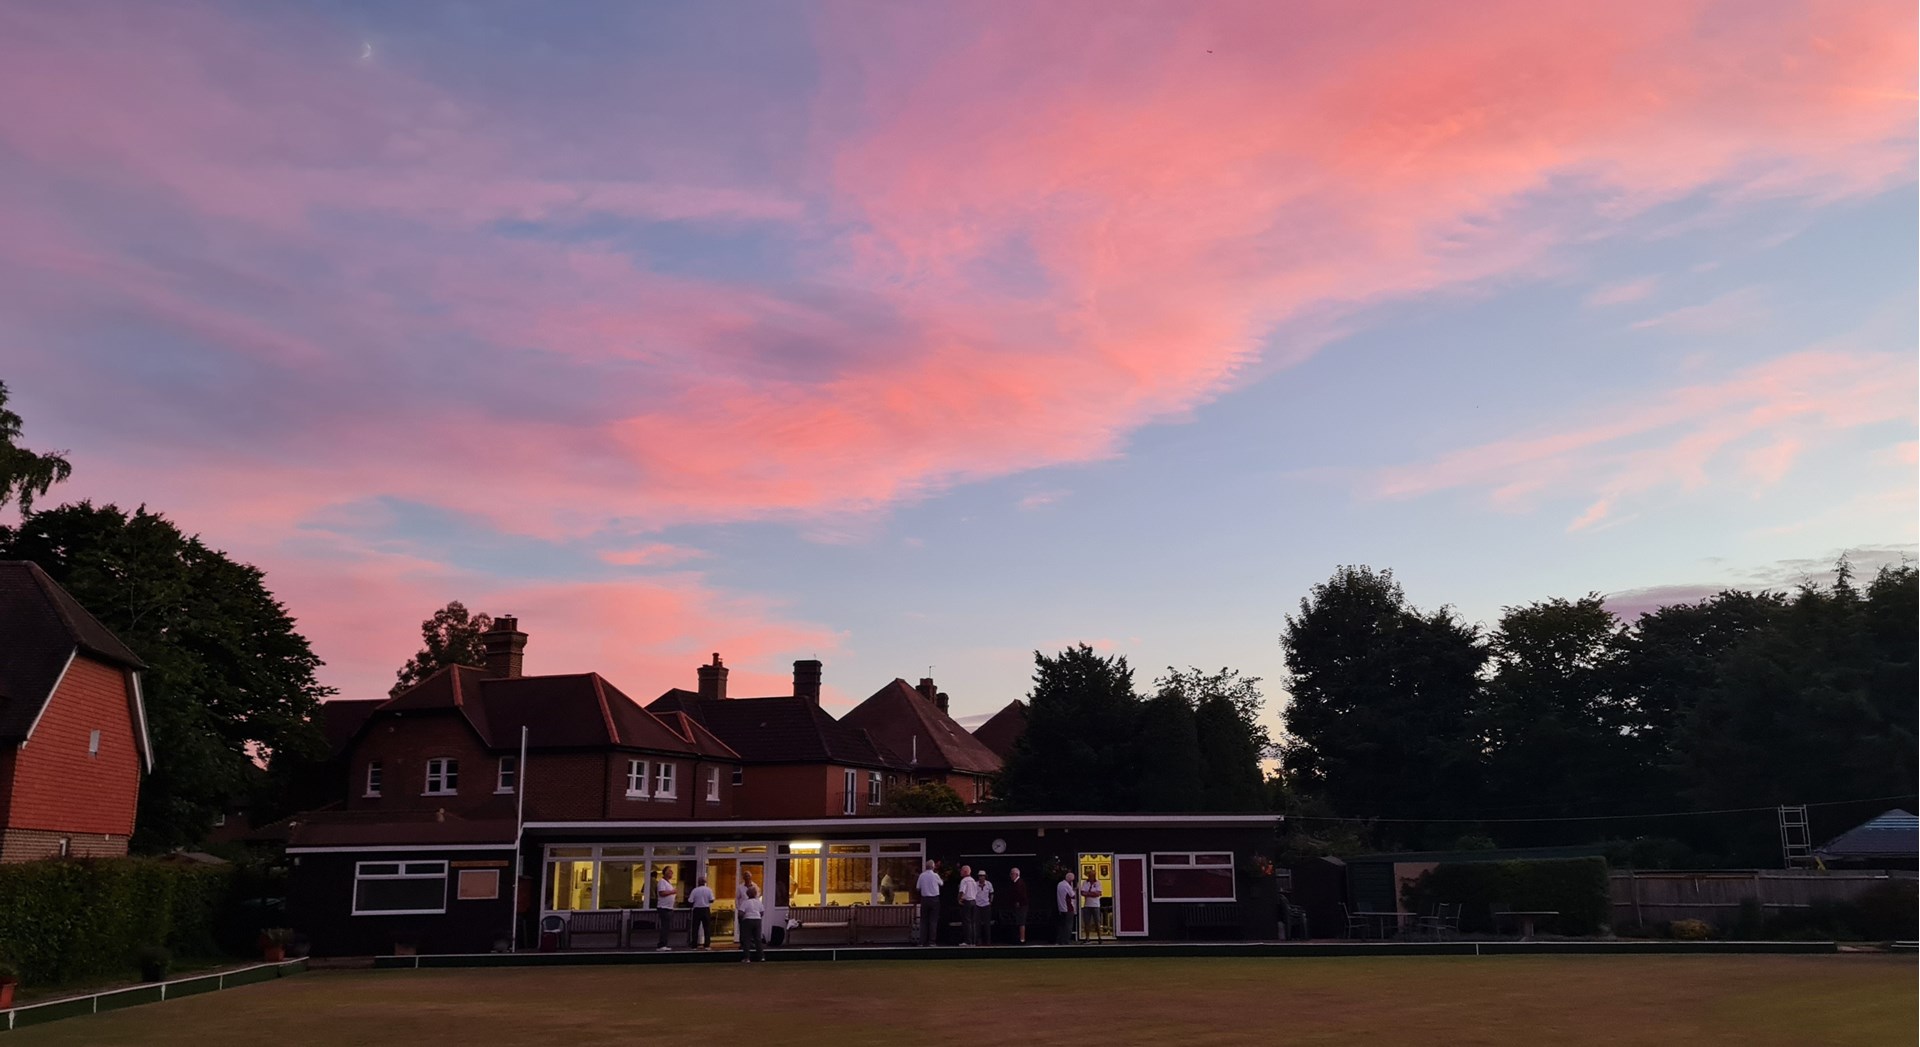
[154, 963]
[273, 943]
[9, 977]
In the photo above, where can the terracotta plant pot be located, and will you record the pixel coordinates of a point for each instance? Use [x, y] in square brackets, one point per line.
[274, 953]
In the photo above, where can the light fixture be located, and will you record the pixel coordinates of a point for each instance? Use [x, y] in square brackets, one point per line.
[804, 847]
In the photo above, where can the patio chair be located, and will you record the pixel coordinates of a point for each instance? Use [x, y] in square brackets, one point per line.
[1296, 921]
[1356, 925]
[1450, 919]
[1429, 922]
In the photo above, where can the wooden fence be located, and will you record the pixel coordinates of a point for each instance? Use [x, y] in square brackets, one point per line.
[1641, 898]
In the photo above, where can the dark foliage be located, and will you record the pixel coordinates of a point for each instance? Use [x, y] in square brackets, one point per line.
[1576, 888]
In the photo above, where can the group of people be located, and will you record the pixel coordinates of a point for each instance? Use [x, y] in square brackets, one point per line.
[749, 910]
[1076, 899]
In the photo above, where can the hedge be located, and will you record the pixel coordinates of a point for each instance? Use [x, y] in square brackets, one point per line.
[63, 920]
[1576, 888]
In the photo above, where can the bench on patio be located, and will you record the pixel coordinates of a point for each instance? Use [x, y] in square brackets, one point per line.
[1212, 920]
[873, 924]
[820, 925]
[596, 930]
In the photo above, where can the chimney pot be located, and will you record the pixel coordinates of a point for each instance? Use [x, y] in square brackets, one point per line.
[940, 700]
[713, 680]
[806, 679]
[504, 647]
[926, 688]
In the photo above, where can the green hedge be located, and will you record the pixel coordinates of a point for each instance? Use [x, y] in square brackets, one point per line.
[1576, 888]
[66, 920]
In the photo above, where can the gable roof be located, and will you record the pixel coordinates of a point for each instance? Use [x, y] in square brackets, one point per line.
[1894, 834]
[564, 711]
[778, 729]
[905, 721]
[1003, 728]
[340, 720]
[42, 629]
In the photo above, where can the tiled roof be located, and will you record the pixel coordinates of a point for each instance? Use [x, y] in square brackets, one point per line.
[568, 711]
[778, 729]
[905, 721]
[397, 829]
[1891, 835]
[1003, 728]
[41, 627]
[341, 718]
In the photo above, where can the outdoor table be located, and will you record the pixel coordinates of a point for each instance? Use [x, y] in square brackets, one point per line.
[1383, 916]
[1526, 919]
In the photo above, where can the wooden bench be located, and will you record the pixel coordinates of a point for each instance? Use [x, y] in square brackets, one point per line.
[596, 930]
[885, 923]
[820, 925]
[1222, 920]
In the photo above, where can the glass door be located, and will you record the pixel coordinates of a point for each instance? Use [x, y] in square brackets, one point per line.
[723, 877]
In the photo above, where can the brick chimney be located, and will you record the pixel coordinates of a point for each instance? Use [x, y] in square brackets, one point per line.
[504, 646]
[940, 700]
[806, 679]
[931, 693]
[713, 679]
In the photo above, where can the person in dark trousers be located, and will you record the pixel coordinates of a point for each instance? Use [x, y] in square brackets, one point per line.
[1065, 894]
[751, 911]
[1017, 899]
[663, 905]
[700, 925]
[928, 888]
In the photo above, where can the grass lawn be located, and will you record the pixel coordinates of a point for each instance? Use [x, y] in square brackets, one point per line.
[1557, 1000]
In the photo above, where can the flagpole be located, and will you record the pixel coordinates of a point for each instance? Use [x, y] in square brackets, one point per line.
[519, 824]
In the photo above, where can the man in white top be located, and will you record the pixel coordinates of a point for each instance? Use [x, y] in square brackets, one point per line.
[1064, 894]
[1090, 912]
[752, 909]
[928, 888]
[663, 893]
[700, 926]
[969, 890]
[983, 909]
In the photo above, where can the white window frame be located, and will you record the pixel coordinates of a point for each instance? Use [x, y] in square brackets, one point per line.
[873, 788]
[507, 777]
[1153, 862]
[713, 785]
[93, 744]
[442, 768]
[638, 783]
[406, 872]
[851, 778]
[375, 778]
[666, 775]
[739, 776]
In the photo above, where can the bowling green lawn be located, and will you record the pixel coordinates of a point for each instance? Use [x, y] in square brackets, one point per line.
[1105, 1000]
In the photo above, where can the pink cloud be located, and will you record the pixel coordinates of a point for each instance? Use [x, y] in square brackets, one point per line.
[653, 554]
[1624, 292]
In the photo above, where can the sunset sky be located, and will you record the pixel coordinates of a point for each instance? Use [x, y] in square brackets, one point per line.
[910, 335]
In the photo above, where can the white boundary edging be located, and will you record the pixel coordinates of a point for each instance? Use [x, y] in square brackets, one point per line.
[220, 983]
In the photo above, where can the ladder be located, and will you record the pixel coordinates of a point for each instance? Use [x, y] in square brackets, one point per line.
[1796, 843]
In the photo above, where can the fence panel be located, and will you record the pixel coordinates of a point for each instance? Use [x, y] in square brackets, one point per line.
[1641, 898]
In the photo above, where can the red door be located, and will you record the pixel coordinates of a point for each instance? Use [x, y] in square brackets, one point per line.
[1129, 894]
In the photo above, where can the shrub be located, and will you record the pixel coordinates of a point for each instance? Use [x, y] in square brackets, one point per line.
[8, 972]
[1576, 888]
[1691, 930]
[154, 962]
[63, 920]
[1887, 911]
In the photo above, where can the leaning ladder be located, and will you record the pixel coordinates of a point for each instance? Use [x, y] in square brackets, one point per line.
[1796, 843]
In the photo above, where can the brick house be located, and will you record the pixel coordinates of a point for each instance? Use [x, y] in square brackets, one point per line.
[913, 722]
[73, 731]
[450, 747]
[1003, 729]
[798, 761]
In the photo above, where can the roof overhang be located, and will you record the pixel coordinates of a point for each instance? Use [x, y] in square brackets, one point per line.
[965, 821]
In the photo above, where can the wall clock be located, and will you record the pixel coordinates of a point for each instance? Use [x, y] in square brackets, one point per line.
[999, 846]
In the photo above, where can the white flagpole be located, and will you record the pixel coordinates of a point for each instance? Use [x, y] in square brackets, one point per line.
[519, 823]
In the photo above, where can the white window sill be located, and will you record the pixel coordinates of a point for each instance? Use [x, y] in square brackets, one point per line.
[631, 795]
[503, 792]
[444, 792]
[665, 796]
[369, 796]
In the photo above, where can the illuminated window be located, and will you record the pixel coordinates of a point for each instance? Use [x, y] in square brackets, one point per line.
[637, 778]
[1193, 876]
[443, 776]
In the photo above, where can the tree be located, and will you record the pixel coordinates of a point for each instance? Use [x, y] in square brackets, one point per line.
[450, 637]
[1230, 737]
[25, 474]
[924, 798]
[1078, 752]
[1382, 699]
[228, 679]
[1169, 755]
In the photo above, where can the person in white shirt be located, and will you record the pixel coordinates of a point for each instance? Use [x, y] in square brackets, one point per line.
[700, 926]
[1090, 912]
[983, 910]
[969, 890]
[928, 888]
[752, 908]
[1064, 894]
[663, 892]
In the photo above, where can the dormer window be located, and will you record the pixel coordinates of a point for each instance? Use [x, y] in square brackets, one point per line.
[443, 776]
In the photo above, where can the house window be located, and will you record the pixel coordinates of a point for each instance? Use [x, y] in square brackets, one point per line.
[373, 778]
[93, 744]
[478, 885]
[637, 779]
[1193, 876]
[663, 788]
[739, 776]
[713, 785]
[982, 789]
[873, 788]
[219, 821]
[399, 888]
[443, 776]
[509, 772]
[852, 781]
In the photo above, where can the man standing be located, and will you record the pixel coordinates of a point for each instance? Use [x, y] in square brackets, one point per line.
[1090, 911]
[928, 887]
[1017, 896]
[983, 909]
[700, 927]
[663, 893]
[968, 892]
[751, 910]
[1064, 894]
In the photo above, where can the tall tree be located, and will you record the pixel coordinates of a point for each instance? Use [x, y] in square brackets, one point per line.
[1078, 751]
[1232, 741]
[450, 637]
[1382, 698]
[229, 678]
[25, 474]
[1169, 755]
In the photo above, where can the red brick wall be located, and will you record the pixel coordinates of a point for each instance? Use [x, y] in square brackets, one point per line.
[27, 845]
[54, 784]
[403, 745]
[804, 790]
